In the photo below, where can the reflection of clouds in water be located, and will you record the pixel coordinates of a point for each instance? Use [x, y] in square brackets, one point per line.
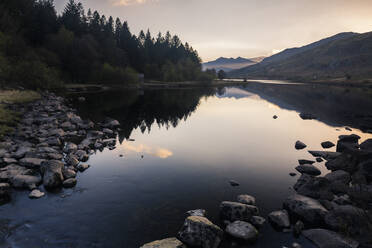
[141, 148]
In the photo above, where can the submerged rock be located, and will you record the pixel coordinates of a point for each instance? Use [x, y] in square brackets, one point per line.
[280, 219]
[242, 230]
[35, 194]
[165, 243]
[200, 232]
[233, 211]
[300, 145]
[328, 239]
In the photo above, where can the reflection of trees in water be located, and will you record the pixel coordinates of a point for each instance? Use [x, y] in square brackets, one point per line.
[134, 109]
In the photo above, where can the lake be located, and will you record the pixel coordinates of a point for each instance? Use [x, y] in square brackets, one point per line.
[180, 148]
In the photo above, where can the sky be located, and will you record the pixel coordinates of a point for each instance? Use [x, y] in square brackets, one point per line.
[246, 28]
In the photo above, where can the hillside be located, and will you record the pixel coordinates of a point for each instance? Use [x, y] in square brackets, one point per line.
[229, 64]
[344, 56]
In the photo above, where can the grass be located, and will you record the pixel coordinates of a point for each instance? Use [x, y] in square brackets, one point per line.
[9, 118]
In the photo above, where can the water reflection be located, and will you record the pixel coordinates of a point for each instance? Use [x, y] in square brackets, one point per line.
[145, 149]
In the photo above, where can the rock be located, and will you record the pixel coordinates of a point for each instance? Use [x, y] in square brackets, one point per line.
[242, 230]
[32, 163]
[35, 194]
[338, 175]
[328, 239]
[292, 174]
[366, 145]
[72, 160]
[309, 210]
[233, 211]
[25, 181]
[9, 161]
[21, 151]
[348, 129]
[314, 187]
[165, 243]
[298, 227]
[246, 199]
[68, 173]
[4, 193]
[342, 200]
[327, 144]
[83, 167]
[257, 221]
[305, 161]
[67, 126]
[57, 132]
[348, 143]
[200, 232]
[70, 147]
[324, 154]
[52, 171]
[299, 145]
[308, 169]
[296, 245]
[234, 183]
[275, 117]
[196, 212]
[346, 162]
[279, 219]
[319, 160]
[352, 138]
[53, 141]
[69, 183]
[307, 116]
[107, 131]
[111, 124]
[55, 156]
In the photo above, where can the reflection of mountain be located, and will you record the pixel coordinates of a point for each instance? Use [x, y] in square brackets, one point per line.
[333, 105]
[236, 93]
[132, 109]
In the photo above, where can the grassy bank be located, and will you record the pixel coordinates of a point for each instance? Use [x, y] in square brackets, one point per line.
[9, 118]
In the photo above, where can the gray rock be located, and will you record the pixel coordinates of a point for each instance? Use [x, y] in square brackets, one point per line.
[35, 194]
[69, 183]
[196, 212]
[25, 181]
[107, 131]
[9, 161]
[52, 173]
[70, 147]
[83, 167]
[57, 132]
[21, 151]
[300, 145]
[234, 183]
[82, 155]
[55, 156]
[319, 160]
[346, 162]
[298, 227]
[246, 199]
[308, 169]
[165, 243]
[292, 174]
[257, 221]
[327, 144]
[81, 99]
[32, 163]
[233, 211]
[309, 210]
[305, 161]
[296, 245]
[328, 239]
[338, 175]
[200, 232]
[68, 173]
[72, 160]
[314, 187]
[279, 219]
[112, 124]
[324, 154]
[242, 230]
[53, 141]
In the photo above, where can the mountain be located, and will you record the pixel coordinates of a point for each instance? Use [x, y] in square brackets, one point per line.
[340, 57]
[229, 64]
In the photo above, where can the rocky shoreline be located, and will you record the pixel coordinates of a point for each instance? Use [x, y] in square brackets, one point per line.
[332, 211]
[49, 146]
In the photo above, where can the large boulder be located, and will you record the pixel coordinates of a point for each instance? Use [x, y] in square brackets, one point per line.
[348, 143]
[328, 239]
[198, 231]
[52, 173]
[314, 187]
[338, 176]
[308, 169]
[346, 162]
[279, 219]
[32, 163]
[309, 210]
[242, 230]
[246, 199]
[233, 211]
[165, 243]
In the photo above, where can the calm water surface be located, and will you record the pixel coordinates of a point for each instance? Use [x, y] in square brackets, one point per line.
[187, 145]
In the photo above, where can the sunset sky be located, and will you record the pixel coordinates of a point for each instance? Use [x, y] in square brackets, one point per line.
[246, 28]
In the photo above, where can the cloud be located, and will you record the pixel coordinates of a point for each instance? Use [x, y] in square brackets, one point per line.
[131, 2]
[141, 148]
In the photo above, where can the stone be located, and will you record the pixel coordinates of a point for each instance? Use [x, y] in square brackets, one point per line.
[196, 212]
[319, 160]
[82, 155]
[233, 211]
[32, 163]
[346, 162]
[328, 239]
[300, 145]
[309, 210]
[307, 116]
[200, 232]
[246, 199]
[279, 219]
[21, 151]
[68, 173]
[298, 227]
[57, 132]
[296, 245]
[52, 173]
[53, 141]
[81, 99]
[257, 221]
[242, 230]
[69, 183]
[275, 117]
[314, 187]
[107, 131]
[324, 154]
[72, 160]
[83, 167]
[35, 194]
[5, 195]
[112, 123]
[338, 175]
[352, 138]
[308, 169]
[234, 183]
[366, 145]
[9, 161]
[305, 161]
[70, 147]
[165, 243]
[292, 174]
[25, 181]
[327, 144]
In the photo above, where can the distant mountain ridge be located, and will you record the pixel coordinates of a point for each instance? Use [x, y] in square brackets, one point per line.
[343, 56]
[228, 64]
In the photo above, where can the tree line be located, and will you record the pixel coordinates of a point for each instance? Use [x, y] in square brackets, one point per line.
[41, 49]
